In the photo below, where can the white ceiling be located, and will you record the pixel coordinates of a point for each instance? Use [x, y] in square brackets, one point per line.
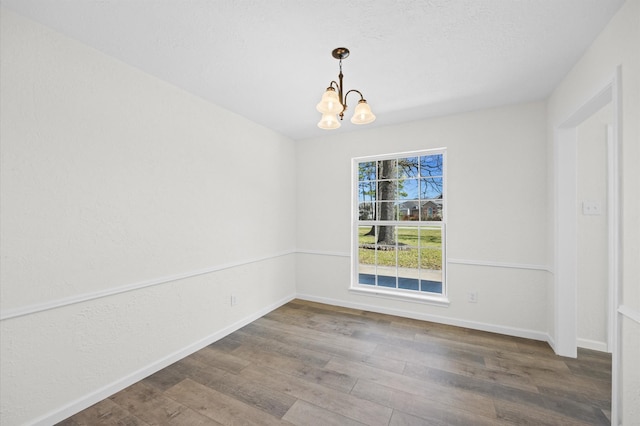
[270, 60]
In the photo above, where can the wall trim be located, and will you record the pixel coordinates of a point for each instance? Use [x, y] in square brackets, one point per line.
[110, 389]
[85, 297]
[593, 345]
[324, 253]
[493, 328]
[500, 264]
[629, 312]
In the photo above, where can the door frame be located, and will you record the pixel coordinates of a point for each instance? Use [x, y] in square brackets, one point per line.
[565, 232]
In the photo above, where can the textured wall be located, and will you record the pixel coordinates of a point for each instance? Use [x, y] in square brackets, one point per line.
[111, 181]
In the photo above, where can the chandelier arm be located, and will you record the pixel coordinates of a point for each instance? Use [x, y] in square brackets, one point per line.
[335, 86]
[353, 90]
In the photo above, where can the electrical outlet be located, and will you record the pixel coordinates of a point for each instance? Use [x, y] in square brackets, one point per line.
[591, 208]
[234, 300]
[473, 297]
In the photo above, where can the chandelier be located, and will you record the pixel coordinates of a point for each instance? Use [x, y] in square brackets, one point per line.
[334, 101]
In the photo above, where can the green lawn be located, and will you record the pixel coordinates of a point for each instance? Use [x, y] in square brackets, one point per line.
[423, 249]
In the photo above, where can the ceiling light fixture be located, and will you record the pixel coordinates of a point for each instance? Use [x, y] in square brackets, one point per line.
[335, 103]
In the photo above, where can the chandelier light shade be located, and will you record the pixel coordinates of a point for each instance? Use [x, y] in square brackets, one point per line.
[334, 100]
[362, 114]
[329, 121]
[330, 103]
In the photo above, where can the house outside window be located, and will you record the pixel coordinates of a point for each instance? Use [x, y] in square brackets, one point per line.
[399, 225]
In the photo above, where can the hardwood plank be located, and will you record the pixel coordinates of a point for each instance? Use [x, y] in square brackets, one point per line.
[481, 345]
[104, 413]
[403, 419]
[439, 411]
[303, 414]
[187, 367]
[509, 379]
[154, 407]
[218, 406]
[603, 402]
[526, 363]
[260, 343]
[331, 379]
[424, 353]
[166, 378]
[249, 392]
[526, 400]
[515, 413]
[211, 355]
[338, 325]
[341, 403]
[427, 390]
[320, 342]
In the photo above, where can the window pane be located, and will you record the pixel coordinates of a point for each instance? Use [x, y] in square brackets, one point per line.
[430, 188]
[386, 279]
[408, 189]
[387, 211]
[431, 286]
[367, 171]
[366, 236]
[386, 236]
[366, 211]
[431, 252]
[387, 169]
[387, 190]
[366, 191]
[409, 210]
[431, 237]
[408, 236]
[408, 167]
[431, 210]
[366, 255]
[431, 259]
[431, 165]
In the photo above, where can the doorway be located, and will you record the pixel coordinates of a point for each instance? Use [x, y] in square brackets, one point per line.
[592, 231]
[566, 230]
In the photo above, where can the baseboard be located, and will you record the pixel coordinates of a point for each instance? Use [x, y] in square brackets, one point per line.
[492, 328]
[629, 312]
[593, 345]
[551, 341]
[110, 389]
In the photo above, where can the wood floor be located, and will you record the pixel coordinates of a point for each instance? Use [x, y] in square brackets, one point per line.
[312, 364]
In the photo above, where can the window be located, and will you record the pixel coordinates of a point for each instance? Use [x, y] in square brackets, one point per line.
[399, 225]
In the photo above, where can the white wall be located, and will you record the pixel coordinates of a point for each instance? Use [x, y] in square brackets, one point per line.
[593, 289]
[616, 45]
[111, 181]
[496, 199]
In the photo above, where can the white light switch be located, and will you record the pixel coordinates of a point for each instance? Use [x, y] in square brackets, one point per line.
[591, 208]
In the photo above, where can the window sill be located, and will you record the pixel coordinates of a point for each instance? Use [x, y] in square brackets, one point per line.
[394, 294]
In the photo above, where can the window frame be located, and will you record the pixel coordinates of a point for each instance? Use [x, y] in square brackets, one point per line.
[388, 292]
